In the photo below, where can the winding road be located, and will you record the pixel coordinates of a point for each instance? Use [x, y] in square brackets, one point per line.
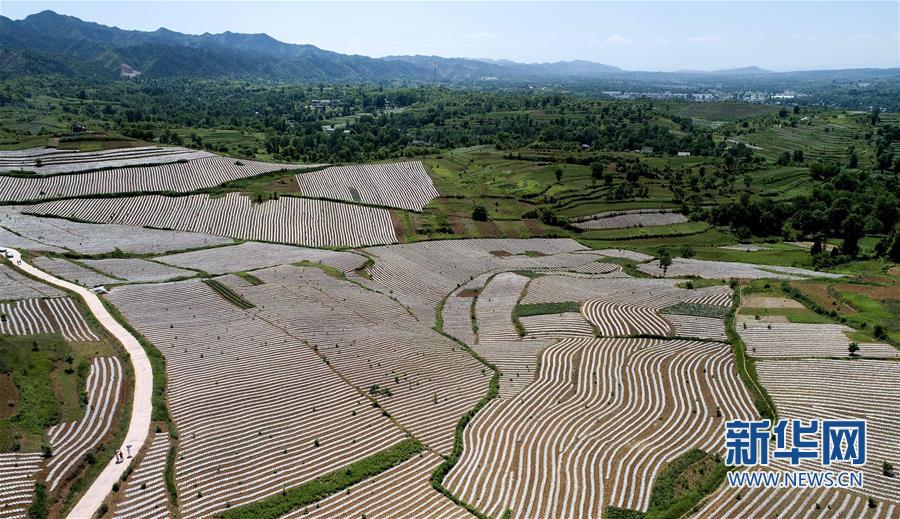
[141, 407]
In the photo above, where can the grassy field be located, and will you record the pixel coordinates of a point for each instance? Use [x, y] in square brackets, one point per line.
[721, 111]
[42, 378]
[822, 137]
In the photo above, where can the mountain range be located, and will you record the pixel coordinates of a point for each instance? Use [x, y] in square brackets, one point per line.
[51, 43]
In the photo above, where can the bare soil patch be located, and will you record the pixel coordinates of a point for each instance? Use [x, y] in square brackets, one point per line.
[459, 226]
[819, 293]
[770, 302]
[398, 226]
[872, 292]
[501, 253]
[488, 229]
[534, 227]
[9, 396]
[469, 292]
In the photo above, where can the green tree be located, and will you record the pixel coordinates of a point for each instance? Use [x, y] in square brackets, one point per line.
[853, 163]
[479, 213]
[875, 116]
[597, 169]
[665, 260]
[852, 234]
[559, 174]
[853, 348]
[816, 248]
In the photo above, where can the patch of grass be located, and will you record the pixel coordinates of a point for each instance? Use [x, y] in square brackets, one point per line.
[323, 486]
[793, 315]
[884, 313]
[169, 474]
[40, 506]
[545, 308]
[700, 283]
[34, 363]
[328, 269]
[656, 231]
[778, 254]
[250, 278]
[684, 483]
[228, 294]
[696, 310]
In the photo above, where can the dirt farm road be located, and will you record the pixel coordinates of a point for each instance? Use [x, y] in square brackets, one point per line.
[139, 424]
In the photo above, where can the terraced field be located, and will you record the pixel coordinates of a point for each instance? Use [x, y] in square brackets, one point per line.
[254, 255]
[14, 285]
[290, 220]
[404, 185]
[822, 141]
[796, 388]
[145, 494]
[179, 177]
[729, 269]
[137, 270]
[580, 437]
[403, 491]
[52, 161]
[353, 347]
[286, 362]
[747, 503]
[52, 315]
[806, 340]
[57, 235]
[247, 427]
[71, 441]
[632, 218]
[72, 271]
[18, 473]
[421, 274]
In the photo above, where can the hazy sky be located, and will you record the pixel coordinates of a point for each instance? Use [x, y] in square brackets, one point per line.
[631, 35]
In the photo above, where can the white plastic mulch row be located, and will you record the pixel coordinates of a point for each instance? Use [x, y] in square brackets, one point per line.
[402, 491]
[749, 503]
[54, 315]
[257, 406]
[137, 270]
[695, 326]
[548, 326]
[596, 427]
[843, 390]
[255, 255]
[632, 220]
[17, 480]
[729, 269]
[421, 274]
[405, 185]
[292, 220]
[181, 177]
[145, 494]
[72, 271]
[71, 441]
[494, 307]
[805, 340]
[56, 235]
[14, 285]
[51, 161]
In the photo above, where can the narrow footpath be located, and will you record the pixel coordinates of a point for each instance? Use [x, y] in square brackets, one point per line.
[141, 407]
